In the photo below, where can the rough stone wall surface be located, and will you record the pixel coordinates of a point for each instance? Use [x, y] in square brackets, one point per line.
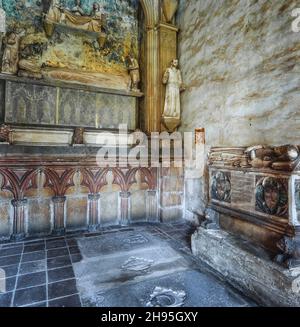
[240, 62]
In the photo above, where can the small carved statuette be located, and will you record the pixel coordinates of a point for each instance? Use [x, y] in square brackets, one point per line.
[5, 132]
[134, 70]
[10, 59]
[77, 9]
[78, 136]
[212, 220]
[289, 252]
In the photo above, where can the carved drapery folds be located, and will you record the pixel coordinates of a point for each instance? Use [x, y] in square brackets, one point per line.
[59, 179]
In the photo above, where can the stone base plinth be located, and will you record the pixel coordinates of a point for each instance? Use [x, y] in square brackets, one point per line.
[247, 268]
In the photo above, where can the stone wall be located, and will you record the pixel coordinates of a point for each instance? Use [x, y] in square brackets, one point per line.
[239, 61]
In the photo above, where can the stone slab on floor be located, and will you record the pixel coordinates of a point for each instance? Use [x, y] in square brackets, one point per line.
[183, 289]
[250, 271]
[139, 268]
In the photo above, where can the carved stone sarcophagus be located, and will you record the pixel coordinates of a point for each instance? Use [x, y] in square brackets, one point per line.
[256, 191]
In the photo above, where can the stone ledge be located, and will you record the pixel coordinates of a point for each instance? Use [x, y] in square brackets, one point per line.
[247, 268]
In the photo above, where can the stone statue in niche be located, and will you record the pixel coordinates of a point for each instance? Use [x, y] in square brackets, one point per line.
[10, 59]
[272, 196]
[277, 158]
[173, 81]
[134, 70]
[5, 133]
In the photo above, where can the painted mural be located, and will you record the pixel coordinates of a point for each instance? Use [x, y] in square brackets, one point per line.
[80, 41]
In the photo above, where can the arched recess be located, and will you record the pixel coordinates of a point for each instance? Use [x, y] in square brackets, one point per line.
[152, 90]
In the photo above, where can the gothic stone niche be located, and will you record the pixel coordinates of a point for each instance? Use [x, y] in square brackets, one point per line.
[221, 186]
[272, 196]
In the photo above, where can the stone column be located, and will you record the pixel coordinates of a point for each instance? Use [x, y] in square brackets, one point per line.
[151, 206]
[19, 219]
[93, 212]
[59, 214]
[124, 208]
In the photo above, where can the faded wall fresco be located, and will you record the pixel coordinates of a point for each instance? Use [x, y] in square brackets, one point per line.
[241, 63]
[73, 49]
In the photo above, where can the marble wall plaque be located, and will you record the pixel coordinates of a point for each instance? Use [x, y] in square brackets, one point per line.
[45, 105]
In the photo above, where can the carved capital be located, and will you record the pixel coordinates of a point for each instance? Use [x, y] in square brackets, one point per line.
[125, 195]
[19, 203]
[94, 197]
[59, 199]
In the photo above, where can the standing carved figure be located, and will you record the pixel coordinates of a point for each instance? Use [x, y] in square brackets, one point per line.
[173, 80]
[10, 59]
[134, 70]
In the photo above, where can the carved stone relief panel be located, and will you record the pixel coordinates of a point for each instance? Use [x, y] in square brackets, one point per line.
[221, 186]
[272, 196]
[43, 105]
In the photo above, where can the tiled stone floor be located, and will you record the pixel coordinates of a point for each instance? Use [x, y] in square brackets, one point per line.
[142, 265]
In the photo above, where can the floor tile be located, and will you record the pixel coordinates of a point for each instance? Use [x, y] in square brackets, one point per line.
[60, 274]
[11, 251]
[72, 242]
[31, 280]
[10, 283]
[55, 244]
[60, 289]
[10, 271]
[74, 250]
[58, 262]
[33, 256]
[57, 252]
[5, 299]
[11, 260]
[76, 258]
[32, 267]
[37, 305]
[30, 295]
[66, 302]
[34, 247]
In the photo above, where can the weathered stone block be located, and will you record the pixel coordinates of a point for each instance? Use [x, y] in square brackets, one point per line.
[5, 224]
[248, 268]
[109, 208]
[172, 184]
[171, 199]
[39, 216]
[138, 206]
[76, 213]
[172, 171]
[171, 214]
